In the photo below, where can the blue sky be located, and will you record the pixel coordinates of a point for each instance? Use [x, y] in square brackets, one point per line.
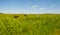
[30, 6]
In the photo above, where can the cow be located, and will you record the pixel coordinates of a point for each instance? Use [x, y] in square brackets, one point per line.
[25, 15]
[16, 16]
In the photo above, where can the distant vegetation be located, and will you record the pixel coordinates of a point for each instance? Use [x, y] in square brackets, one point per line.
[29, 24]
[1, 13]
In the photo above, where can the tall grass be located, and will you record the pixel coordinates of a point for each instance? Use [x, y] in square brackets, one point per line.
[44, 24]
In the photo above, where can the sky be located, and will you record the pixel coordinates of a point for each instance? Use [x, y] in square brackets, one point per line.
[30, 6]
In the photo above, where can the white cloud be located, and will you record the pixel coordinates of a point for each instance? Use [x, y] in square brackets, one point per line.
[41, 8]
[34, 6]
[53, 5]
[52, 11]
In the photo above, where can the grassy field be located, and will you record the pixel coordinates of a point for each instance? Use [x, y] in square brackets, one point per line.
[30, 24]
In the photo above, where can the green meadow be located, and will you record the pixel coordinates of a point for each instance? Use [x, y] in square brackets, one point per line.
[29, 24]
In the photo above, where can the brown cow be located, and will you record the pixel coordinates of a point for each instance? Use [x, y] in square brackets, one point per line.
[16, 16]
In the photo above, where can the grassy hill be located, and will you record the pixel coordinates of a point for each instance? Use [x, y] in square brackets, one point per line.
[30, 24]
